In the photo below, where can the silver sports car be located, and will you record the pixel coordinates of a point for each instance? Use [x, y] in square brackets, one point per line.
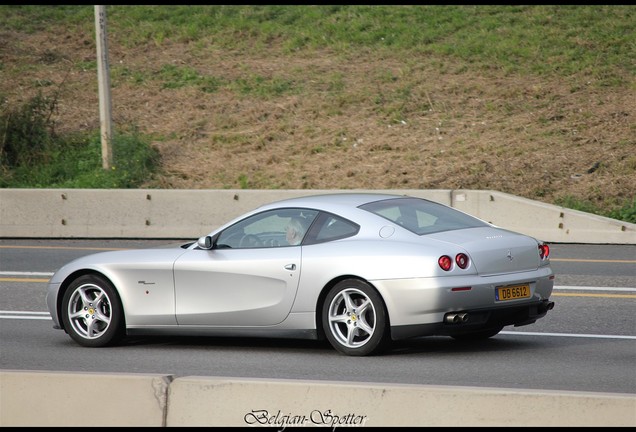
[357, 269]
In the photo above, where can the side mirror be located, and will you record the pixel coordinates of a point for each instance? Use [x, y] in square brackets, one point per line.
[205, 242]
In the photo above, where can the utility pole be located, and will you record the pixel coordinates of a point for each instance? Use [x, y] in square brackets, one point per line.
[103, 81]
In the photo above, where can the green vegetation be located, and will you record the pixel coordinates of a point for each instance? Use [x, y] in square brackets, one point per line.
[544, 39]
[625, 212]
[32, 155]
[594, 43]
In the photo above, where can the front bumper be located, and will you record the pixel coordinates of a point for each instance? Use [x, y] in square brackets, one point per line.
[51, 299]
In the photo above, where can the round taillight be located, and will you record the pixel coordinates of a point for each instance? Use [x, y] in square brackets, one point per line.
[462, 260]
[544, 251]
[445, 262]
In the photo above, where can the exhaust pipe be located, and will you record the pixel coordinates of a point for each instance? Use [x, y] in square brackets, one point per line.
[451, 318]
[546, 306]
[456, 318]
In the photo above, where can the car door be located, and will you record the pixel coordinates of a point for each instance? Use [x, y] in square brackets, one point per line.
[238, 282]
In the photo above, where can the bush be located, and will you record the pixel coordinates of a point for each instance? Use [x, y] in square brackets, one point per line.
[33, 156]
[626, 213]
[27, 134]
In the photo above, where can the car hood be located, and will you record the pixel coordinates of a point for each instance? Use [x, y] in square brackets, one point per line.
[134, 258]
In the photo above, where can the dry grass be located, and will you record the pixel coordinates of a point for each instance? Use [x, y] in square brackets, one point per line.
[454, 128]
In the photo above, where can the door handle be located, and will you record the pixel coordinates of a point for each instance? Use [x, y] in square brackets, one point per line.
[290, 267]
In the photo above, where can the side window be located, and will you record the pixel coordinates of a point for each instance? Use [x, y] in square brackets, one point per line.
[273, 228]
[331, 227]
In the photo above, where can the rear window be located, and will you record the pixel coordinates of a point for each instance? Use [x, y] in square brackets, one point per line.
[422, 216]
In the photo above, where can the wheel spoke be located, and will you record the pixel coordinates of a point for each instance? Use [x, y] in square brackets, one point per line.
[352, 332]
[363, 307]
[348, 301]
[76, 314]
[363, 325]
[101, 317]
[342, 318]
[84, 295]
[102, 308]
[92, 330]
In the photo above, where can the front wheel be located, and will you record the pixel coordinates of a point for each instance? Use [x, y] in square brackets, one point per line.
[92, 313]
[354, 318]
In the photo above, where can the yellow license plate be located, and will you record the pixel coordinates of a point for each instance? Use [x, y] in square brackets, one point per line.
[513, 292]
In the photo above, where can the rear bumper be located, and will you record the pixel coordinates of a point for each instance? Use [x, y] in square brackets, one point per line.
[418, 301]
[475, 320]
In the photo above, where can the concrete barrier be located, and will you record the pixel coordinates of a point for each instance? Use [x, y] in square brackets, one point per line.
[186, 214]
[87, 399]
[36, 398]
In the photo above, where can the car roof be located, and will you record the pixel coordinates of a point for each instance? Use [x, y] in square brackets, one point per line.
[348, 199]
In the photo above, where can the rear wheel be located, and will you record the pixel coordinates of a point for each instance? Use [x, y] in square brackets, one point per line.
[354, 318]
[92, 313]
[478, 335]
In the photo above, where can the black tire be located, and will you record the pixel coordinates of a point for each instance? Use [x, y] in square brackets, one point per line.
[92, 313]
[354, 319]
[478, 335]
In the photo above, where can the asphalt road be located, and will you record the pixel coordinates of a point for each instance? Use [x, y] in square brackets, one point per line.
[586, 343]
